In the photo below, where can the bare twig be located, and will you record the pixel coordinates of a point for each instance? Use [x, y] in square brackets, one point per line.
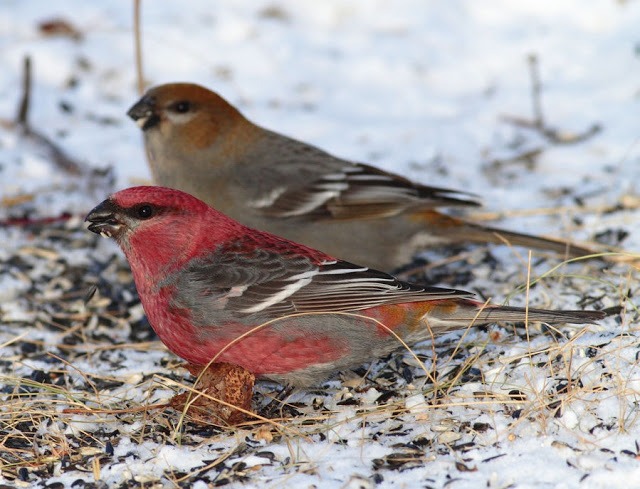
[138, 45]
[528, 157]
[58, 156]
[536, 89]
[22, 118]
[551, 134]
[43, 221]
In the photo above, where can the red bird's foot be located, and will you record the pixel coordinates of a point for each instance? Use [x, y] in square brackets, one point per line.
[221, 386]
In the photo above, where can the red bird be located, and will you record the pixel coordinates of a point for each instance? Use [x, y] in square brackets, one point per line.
[216, 290]
[199, 143]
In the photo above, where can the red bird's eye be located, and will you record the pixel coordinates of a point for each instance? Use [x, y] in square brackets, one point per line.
[145, 211]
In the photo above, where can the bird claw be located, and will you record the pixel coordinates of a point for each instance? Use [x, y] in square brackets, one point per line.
[276, 404]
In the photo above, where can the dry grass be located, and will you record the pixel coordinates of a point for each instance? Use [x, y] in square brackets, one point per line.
[463, 392]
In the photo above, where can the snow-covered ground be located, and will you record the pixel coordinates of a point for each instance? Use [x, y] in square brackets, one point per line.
[421, 88]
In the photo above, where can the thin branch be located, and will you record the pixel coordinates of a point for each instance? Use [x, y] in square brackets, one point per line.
[58, 156]
[22, 119]
[551, 134]
[138, 45]
[42, 221]
[536, 91]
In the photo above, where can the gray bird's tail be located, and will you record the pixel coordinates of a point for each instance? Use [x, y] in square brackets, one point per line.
[454, 229]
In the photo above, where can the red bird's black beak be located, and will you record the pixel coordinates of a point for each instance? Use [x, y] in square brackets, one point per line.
[143, 112]
[104, 220]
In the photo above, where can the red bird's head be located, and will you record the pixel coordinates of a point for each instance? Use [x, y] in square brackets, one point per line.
[159, 226]
[141, 210]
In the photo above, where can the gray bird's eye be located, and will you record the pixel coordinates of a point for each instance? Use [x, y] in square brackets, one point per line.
[182, 107]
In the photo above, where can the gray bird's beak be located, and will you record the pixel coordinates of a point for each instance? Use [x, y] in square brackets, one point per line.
[143, 112]
[104, 220]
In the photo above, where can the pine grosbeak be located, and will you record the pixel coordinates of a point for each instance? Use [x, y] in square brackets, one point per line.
[216, 290]
[199, 143]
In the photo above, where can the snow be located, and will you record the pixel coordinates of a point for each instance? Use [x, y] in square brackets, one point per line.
[418, 88]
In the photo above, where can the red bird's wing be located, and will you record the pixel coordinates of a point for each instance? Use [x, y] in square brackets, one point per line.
[270, 284]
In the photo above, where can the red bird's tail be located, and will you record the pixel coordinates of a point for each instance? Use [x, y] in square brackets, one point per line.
[473, 313]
